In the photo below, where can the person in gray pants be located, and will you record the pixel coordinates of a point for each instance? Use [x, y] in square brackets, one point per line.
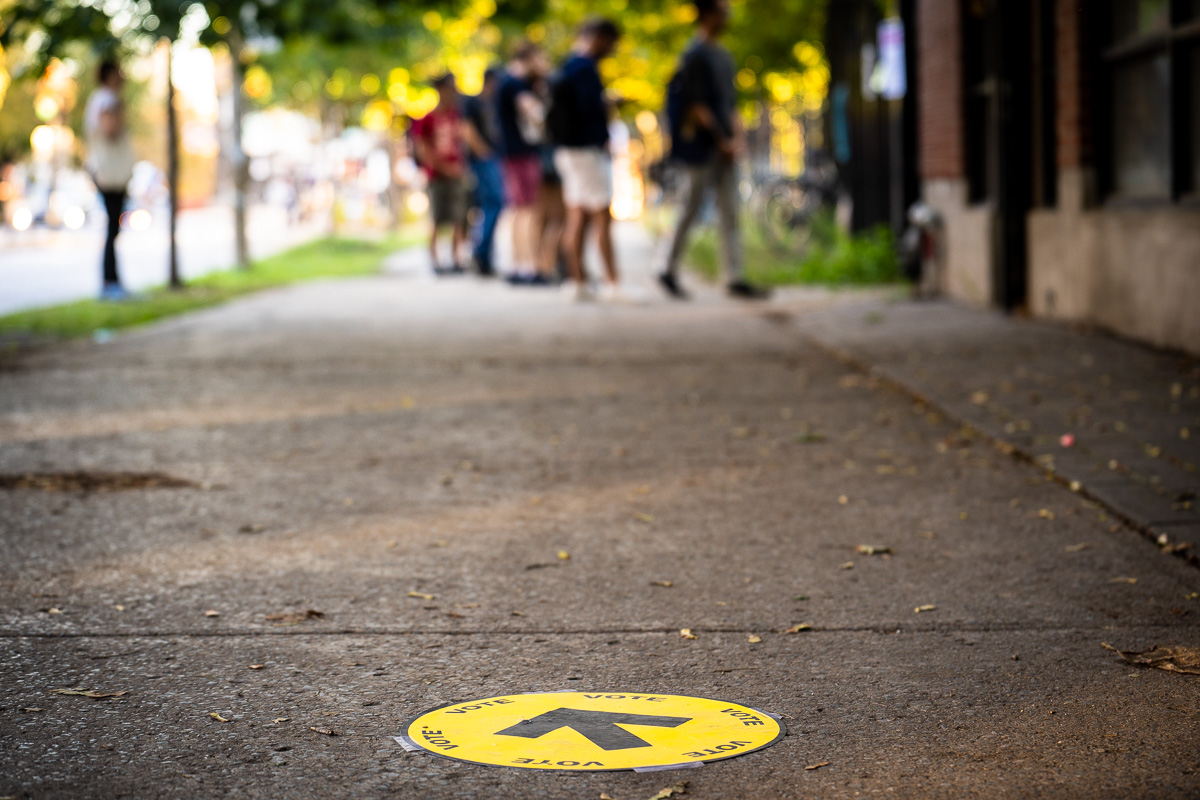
[707, 137]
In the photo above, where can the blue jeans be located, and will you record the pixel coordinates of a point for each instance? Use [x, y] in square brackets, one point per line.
[489, 196]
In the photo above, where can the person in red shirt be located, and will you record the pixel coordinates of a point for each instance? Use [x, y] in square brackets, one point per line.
[440, 150]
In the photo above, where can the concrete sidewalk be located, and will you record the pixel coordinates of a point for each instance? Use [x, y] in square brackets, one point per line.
[407, 459]
[1115, 420]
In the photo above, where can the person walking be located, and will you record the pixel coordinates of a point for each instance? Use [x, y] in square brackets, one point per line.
[110, 163]
[439, 142]
[707, 137]
[483, 138]
[521, 114]
[579, 127]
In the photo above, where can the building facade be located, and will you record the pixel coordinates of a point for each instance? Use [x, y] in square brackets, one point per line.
[1059, 140]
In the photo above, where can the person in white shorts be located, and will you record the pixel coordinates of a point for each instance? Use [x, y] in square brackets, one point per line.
[578, 123]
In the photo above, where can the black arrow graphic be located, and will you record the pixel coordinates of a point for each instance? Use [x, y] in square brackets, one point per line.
[600, 727]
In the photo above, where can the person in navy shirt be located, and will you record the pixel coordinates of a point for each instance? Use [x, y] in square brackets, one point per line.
[581, 112]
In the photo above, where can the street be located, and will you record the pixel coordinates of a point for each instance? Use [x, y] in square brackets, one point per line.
[352, 502]
[45, 267]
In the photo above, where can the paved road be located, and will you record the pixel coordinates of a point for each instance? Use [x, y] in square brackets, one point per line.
[349, 443]
[43, 267]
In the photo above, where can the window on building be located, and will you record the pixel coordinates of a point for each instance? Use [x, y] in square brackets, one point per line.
[1153, 68]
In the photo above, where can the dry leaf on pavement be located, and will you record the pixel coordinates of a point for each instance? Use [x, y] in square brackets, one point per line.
[928, 607]
[803, 626]
[664, 584]
[818, 766]
[563, 555]
[1172, 659]
[1122, 580]
[324, 731]
[686, 633]
[1077, 548]
[212, 613]
[874, 549]
[92, 693]
[642, 516]
[217, 716]
[671, 791]
[421, 595]
[754, 638]
[847, 565]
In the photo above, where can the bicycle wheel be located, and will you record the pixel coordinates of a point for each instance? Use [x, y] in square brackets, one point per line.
[785, 212]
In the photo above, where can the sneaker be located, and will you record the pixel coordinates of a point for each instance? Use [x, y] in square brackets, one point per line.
[746, 291]
[671, 286]
[621, 295]
[115, 293]
[584, 293]
[538, 279]
[519, 278]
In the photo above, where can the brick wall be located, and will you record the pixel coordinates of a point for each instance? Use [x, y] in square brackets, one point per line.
[1068, 86]
[939, 74]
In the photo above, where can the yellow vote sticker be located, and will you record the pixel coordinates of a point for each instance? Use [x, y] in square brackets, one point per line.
[592, 731]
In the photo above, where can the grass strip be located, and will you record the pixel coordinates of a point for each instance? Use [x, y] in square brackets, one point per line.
[329, 257]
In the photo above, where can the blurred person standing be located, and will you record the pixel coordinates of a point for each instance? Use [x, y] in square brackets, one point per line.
[707, 137]
[483, 140]
[579, 127]
[110, 163]
[521, 114]
[440, 145]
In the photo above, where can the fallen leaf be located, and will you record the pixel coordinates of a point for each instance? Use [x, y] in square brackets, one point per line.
[324, 731]
[255, 528]
[278, 720]
[455, 615]
[30, 710]
[1177, 547]
[1171, 659]
[754, 638]
[642, 516]
[743, 433]
[1045, 513]
[843, 499]
[664, 584]
[687, 633]
[606, 796]
[927, 607]
[563, 555]
[817, 766]
[257, 666]
[421, 595]
[670, 791]
[803, 626]
[874, 550]
[518, 613]
[979, 398]
[54, 611]
[809, 438]
[800, 597]
[295, 616]
[1122, 580]
[119, 607]
[212, 613]
[846, 565]
[92, 693]
[217, 716]
[1076, 548]
[1192, 596]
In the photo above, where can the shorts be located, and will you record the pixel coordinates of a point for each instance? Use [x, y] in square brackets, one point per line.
[448, 198]
[522, 179]
[586, 176]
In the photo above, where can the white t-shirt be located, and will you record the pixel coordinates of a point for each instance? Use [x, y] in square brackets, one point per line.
[110, 161]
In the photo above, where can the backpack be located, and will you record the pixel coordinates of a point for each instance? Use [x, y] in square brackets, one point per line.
[694, 146]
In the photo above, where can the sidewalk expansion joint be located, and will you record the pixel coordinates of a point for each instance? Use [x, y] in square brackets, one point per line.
[886, 630]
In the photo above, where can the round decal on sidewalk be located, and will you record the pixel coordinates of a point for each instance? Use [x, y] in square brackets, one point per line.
[592, 731]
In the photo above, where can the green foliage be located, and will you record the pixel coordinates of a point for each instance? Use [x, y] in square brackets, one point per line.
[833, 257]
[331, 257]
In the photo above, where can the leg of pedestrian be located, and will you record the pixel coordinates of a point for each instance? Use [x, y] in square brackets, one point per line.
[696, 178]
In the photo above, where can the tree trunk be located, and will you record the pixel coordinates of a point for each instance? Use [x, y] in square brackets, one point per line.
[174, 280]
[240, 167]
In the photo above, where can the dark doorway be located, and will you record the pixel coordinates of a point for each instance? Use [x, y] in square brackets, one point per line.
[998, 98]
